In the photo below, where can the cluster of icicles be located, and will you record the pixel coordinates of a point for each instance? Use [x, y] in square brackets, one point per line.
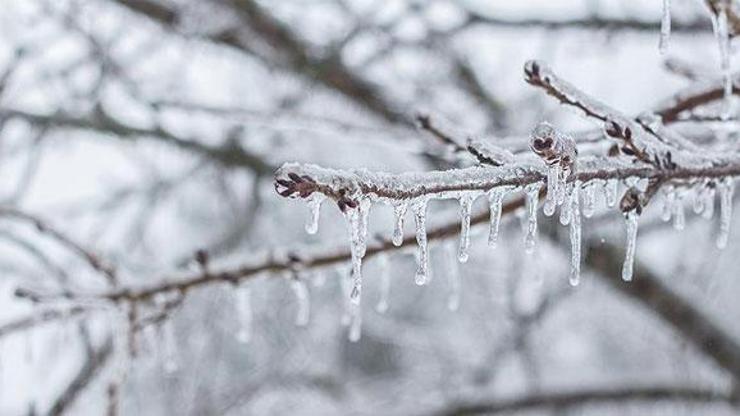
[721, 28]
[574, 199]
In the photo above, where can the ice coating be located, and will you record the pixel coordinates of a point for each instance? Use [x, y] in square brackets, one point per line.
[589, 200]
[611, 191]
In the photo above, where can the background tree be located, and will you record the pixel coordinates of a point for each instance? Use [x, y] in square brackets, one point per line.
[151, 268]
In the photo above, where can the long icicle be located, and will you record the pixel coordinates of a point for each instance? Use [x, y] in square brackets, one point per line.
[575, 235]
[466, 203]
[553, 181]
[532, 192]
[629, 258]
[422, 270]
[726, 191]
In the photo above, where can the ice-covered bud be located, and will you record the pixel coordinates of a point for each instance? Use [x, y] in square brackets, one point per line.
[554, 147]
[489, 154]
[632, 200]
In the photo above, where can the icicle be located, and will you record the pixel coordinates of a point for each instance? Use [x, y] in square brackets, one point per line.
[345, 281]
[385, 283]
[399, 211]
[629, 258]
[303, 311]
[669, 203]
[611, 189]
[721, 33]
[355, 326]
[314, 206]
[357, 222]
[532, 191]
[698, 200]
[453, 302]
[495, 201]
[708, 212]
[169, 345]
[466, 203]
[243, 303]
[679, 217]
[565, 209]
[422, 270]
[553, 182]
[726, 191]
[589, 201]
[665, 27]
[575, 236]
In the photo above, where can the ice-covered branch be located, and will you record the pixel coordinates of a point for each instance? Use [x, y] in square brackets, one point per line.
[569, 399]
[348, 187]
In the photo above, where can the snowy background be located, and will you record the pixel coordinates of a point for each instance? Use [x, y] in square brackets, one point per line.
[147, 130]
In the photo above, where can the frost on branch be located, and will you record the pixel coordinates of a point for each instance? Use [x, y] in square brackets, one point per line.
[489, 154]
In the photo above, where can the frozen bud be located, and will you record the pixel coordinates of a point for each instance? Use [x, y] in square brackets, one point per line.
[632, 200]
[554, 147]
[489, 154]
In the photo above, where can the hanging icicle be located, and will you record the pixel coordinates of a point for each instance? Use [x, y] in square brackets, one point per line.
[565, 209]
[709, 197]
[495, 201]
[629, 258]
[303, 301]
[575, 235]
[314, 206]
[466, 203]
[357, 223]
[553, 183]
[422, 258]
[399, 212]
[611, 190]
[532, 193]
[726, 190]
[243, 304]
[679, 216]
[589, 201]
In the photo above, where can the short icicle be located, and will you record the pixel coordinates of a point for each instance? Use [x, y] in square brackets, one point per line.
[243, 303]
[495, 202]
[669, 203]
[679, 216]
[629, 258]
[726, 190]
[611, 190]
[385, 284]
[553, 182]
[314, 206]
[665, 27]
[532, 192]
[709, 197]
[422, 258]
[357, 223]
[466, 203]
[575, 236]
[589, 201]
[399, 212]
[303, 301]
